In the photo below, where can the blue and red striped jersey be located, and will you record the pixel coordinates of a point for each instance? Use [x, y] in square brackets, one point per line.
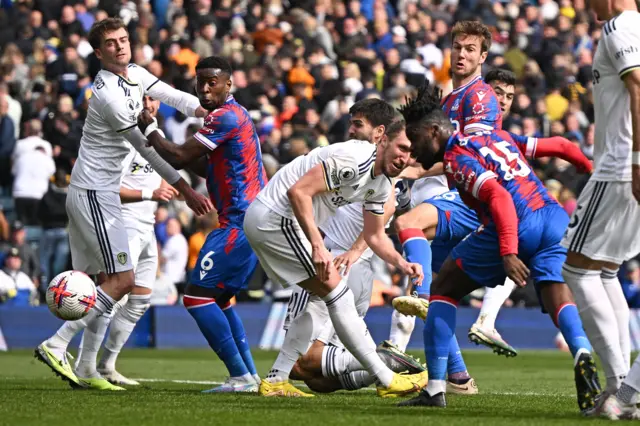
[473, 108]
[471, 161]
[235, 173]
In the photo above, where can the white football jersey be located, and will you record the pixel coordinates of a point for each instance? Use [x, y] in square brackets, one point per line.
[428, 187]
[139, 175]
[345, 227]
[113, 110]
[348, 177]
[618, 53]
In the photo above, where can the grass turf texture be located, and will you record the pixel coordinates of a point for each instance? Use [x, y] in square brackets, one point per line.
[534, 388]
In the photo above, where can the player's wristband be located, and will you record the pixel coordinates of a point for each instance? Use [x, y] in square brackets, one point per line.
[147, 194]
[151, 128]
[635, 158]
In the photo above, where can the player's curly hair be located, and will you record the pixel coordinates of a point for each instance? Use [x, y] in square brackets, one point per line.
[424, 108]
[215, 62]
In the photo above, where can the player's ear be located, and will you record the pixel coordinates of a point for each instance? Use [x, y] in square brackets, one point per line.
[378, 131]
[483, 56]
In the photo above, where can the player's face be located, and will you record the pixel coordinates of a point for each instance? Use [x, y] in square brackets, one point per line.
[361, 129]
[151, 105]
[602, 9]
[505, 94]
[427, 144]
[397, 154]
[212, 86]
[115, 49]
[467, 55]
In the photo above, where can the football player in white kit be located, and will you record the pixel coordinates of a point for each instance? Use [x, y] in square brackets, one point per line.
[434, 184]
[140, 192]
[282, 228]
[604, 230]
[307, 317]
[97, 232]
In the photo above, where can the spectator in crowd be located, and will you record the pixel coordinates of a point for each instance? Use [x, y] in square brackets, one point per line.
[31, 140]
[30, 264]
[54, 243]
[175, 253]
[204, 225]
[16, 287]
[7, 142]
[31, 174]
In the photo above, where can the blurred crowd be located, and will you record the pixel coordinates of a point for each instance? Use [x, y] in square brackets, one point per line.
[298, 67]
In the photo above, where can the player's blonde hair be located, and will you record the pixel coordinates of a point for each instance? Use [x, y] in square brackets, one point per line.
[101, 28]
[473, 28]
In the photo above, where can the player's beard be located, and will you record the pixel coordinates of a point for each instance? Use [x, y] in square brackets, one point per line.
[427, 158]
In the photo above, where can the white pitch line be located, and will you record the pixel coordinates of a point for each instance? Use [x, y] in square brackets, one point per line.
[208, 382]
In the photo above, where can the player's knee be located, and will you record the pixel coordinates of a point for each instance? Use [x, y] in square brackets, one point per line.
[403, 222]
[120, 283]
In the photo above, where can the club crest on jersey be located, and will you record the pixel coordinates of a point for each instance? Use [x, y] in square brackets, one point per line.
[458, 176]
[456, 105]
[481, 94]
[369, 193]
[478, 108]
[122, 258]
[131, 106]
[347, 173]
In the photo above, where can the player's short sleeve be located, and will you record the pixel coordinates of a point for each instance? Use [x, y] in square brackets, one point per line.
[622, 40]
[375, 202]
[466, 172]
[144, 77]
[120, 116]
[346, 163]
[481, 112]
[527, 145]
[219, 127]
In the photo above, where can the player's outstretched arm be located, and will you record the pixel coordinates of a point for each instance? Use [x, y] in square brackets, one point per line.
[560, 147]
[632, 82]
[165, 194]
[416, 171]
[184, 102]
[301, 198]
[381, 244]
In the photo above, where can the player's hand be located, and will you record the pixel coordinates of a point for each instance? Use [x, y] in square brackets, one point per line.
[635, 182]
[322, 260]
[346, 260]
[585, 166]
[197, 202]
[164, 194]
[201, 112]
[515, 269]
[414, 271]
[144, 120]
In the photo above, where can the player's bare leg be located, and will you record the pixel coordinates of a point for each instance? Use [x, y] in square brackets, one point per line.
[122, 325]
[449, 286]
[53, 351]
[558, 302]
[483, 331]
[604, 313]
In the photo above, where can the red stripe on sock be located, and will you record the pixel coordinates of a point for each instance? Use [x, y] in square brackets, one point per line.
[444, 299]
[196, 302]
[410, 233]
[560, 308]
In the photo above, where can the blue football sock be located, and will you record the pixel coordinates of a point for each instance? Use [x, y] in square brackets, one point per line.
[418, 250]
[568, 321]
[239, 335]
[438, 333]
[455, 364]
[214, 326]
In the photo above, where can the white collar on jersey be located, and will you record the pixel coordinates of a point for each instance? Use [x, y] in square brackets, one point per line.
[461, 88]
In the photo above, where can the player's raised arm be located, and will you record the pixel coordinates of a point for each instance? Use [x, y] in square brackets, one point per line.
[555, 146]
[184, 102]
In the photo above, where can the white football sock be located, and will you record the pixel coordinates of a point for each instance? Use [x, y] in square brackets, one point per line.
[338, 361]
[493, 300]
[92, 340]
[599, 321]
[401, 328]
[620, 308]
[298, 339]
[434, 387]
[122, 325]
[352, 331]
[356, 380]
[59, 342]
[633, 382]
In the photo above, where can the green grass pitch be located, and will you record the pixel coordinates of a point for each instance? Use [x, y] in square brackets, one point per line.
[535, 388]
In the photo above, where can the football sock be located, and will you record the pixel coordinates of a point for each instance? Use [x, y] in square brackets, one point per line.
[567, 319]
[493, 300]
[338, 361]
[599, 321]
[92, 339]
[438, 333]
[456, 368]
[401, 329]
[629, 389]
[620, 308]
[296, 343]
[240, 337]
[122, 325]
[418, 250]
[352, 331]
[59, 342]
[356, 380]
[214, 326]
